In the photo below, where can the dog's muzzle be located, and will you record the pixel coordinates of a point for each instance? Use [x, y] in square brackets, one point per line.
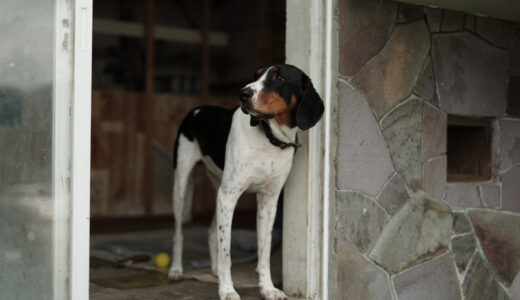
[245, 94]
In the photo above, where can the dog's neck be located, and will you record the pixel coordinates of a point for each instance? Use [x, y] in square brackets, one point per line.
[282, 132]
[278, 135]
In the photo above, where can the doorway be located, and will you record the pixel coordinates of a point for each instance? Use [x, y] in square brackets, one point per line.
[202, 53]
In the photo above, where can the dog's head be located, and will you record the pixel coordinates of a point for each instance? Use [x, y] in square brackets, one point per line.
[285, 93]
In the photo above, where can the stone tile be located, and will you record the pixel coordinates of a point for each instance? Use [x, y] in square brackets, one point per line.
[513, 96]
[460, 223]
[360, 146]
[421, 229]
[452, 20]
[462, 196]
[358, 219]
[436, 279]
[364, 28]
[389, 77]
[394, 195]
[409, 12]
[509, 143]
[498, 236]
[433, 18]
[425, 85]
[402, 130]
[511, 190]
[463, 248]
[491, 195]
[435, 124]
[358, 278]
[471, 75]
[480, 284]
[494, 31]
[435, 177]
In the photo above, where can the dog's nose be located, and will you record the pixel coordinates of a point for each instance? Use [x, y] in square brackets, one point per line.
[245, 94]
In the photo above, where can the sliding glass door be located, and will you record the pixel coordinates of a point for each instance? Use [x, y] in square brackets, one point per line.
[40, 173]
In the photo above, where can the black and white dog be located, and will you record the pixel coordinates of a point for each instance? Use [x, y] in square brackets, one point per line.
[247, 149]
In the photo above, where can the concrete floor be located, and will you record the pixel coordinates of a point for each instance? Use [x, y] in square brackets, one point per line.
[144, 281]
[187, 289]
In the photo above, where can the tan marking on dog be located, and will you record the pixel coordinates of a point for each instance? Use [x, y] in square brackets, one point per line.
[272, 103]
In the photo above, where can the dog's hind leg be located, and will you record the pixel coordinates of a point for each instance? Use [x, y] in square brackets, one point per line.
[188, 154]
[188, 203]
[212, 231]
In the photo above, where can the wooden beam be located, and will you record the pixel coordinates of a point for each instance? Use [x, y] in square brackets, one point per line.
[150, 51]
[205, 50]
[166, 33]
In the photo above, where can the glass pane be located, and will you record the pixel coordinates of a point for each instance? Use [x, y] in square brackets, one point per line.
[26, 147]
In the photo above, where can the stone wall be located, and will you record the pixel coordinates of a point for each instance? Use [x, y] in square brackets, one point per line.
[402, 231]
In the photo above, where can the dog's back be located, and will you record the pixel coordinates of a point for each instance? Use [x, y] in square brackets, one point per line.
[209, 126]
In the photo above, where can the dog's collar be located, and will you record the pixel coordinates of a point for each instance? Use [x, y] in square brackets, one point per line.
[274, 140]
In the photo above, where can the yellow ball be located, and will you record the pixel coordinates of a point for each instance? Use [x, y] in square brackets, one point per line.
[162, 260]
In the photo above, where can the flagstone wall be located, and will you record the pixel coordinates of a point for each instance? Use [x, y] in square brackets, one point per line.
[402, 230]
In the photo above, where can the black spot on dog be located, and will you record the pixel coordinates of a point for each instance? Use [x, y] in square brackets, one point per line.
[210, 126]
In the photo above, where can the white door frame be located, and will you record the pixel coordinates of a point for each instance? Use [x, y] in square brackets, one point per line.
[61, 148]
[81, 119]
[311, 39]
[71, 148]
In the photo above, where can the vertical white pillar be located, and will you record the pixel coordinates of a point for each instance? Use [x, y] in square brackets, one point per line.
[308, 46]
[81, 118]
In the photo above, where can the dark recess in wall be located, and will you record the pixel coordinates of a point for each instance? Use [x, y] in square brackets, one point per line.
[469, 150]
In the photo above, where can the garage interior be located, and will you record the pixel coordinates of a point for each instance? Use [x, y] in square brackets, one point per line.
[153, 61]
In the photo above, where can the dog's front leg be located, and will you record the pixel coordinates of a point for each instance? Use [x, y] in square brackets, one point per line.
[227, 197]
[266, 212]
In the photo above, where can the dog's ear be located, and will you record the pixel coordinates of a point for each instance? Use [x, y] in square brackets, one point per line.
[258, 73]
[310, 107]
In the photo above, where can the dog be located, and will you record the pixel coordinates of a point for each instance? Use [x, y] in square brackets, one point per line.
[248, 149]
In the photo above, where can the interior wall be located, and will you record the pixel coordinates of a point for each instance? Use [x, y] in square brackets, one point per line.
[256, 38]
[256, 35]
[401, 230]
[118, 141]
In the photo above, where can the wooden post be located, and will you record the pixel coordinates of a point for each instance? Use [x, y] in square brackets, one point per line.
[205, 51]
[148, 184]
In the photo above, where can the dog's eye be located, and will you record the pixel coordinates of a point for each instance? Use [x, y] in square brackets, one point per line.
[279, 77]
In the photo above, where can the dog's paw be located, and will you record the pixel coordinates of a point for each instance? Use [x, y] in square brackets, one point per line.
[273, 294]
[228, 294]
[214, 270]
[175, 274]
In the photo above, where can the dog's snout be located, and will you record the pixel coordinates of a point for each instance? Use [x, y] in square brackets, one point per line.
[245, 94]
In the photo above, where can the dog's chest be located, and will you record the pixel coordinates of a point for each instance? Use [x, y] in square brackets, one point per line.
[264, 171]
[262, 167]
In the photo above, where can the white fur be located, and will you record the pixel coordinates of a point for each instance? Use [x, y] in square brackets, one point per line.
[252, 164]
[257, 86]
[182, 187]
